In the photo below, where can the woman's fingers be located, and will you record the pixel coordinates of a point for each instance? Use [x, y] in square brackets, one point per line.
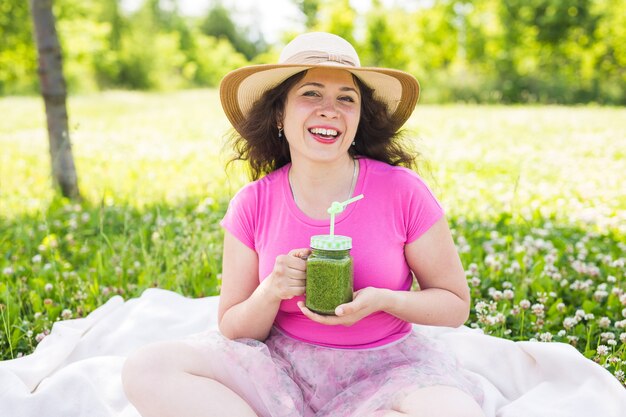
[289, 274]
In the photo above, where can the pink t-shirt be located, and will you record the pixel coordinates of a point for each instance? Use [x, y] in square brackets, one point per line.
[397, 208]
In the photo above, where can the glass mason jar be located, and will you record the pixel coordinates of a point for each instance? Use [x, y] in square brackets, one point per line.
[329, 273]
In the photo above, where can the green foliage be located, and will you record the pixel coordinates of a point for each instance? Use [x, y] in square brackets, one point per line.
[546, 51]
[218, 24]
[309, 9]
[383, 47]
[338, 17]
[17, 52]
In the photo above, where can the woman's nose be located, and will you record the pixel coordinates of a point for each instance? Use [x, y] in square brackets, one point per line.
[327, 108]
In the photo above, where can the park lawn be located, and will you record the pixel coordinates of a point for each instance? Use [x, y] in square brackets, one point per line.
[534, 196]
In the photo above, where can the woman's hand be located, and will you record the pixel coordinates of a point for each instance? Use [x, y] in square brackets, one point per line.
[288, 278]
[365, 302]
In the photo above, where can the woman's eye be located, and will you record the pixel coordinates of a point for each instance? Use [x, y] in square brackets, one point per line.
[347, 99]
[311, 94]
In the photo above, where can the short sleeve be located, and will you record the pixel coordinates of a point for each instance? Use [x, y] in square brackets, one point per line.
[240, 218]
[422, 209]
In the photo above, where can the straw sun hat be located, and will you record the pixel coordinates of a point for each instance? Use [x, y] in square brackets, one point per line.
[241, 88]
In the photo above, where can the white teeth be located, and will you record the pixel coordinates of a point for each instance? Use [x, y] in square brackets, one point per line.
[325, 132]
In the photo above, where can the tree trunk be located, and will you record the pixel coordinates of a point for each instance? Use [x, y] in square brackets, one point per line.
[54, 95]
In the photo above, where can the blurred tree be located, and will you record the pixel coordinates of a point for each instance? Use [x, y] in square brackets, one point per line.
[219, 24]
[383, 47]
[338, 17]
[54, 95]
[310, 9]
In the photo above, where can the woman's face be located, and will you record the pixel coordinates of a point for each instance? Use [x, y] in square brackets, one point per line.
[322, 114]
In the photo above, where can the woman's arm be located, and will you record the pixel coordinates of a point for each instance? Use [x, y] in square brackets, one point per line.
[443, 299]
[247, 308]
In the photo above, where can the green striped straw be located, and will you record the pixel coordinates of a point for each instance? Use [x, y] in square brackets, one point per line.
[337, 207]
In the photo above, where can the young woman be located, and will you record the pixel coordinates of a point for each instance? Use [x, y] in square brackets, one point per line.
[318, 128]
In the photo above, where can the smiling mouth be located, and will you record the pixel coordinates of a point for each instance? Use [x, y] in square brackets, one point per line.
[326, 134]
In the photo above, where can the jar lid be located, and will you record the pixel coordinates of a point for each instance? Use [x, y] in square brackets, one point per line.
[331, 242]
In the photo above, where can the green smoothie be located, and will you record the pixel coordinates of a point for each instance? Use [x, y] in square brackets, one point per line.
[329, 273]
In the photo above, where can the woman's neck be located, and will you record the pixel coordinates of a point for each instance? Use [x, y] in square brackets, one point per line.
[315, 186]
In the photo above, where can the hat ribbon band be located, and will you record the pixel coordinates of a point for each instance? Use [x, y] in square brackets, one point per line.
[319, 57]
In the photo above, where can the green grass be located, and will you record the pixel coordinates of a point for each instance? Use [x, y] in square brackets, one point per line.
[534, 196]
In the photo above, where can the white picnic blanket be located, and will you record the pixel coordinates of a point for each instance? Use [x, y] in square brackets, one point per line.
[75, 371]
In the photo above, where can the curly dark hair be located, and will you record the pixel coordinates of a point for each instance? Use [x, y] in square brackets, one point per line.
[258, 143]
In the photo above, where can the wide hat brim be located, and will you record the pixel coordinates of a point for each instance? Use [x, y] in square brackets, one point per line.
[241, 88]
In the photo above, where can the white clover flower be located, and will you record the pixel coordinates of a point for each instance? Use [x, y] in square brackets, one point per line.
[524, 304]
[602, 350]
[622, 299]
[66, 314]
[607, 336]
[509, 294]
[482, 307]
[622, 337]
[39, 337]
[475, 281]
[560, 307]
[48, 287]
[619, 374]
[545, 337]
[604, 322]
[561, 333]
[36, 259]
[619, 263]
[569, 322]
[538, 309]
[496, 295]
[611, 342]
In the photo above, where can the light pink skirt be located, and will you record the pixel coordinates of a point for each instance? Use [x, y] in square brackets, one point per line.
[284, 377]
